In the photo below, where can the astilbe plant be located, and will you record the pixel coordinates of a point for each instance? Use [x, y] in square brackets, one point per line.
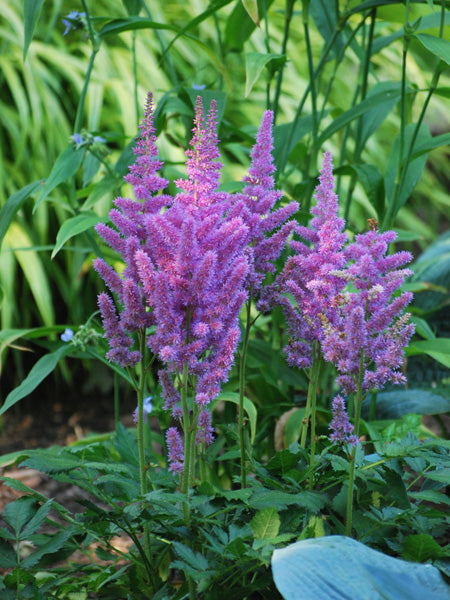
[342, 303]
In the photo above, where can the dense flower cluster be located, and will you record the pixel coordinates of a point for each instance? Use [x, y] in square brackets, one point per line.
[344, 296]
[269, 228]
[340, 426]
[309, 277]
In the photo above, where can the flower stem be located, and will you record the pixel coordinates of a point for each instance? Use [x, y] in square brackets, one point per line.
[140, 435]
[242, 392]
[351, 475]
[313, 385]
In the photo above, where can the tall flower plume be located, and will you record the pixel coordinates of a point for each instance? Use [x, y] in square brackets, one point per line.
[269, 227]
[309, 280]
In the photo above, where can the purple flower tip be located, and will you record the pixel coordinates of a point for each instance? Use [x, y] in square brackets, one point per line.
[340, 426]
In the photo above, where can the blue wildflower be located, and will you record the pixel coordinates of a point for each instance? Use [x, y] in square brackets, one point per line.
[148, 407]
[72, 20]
[67, 335]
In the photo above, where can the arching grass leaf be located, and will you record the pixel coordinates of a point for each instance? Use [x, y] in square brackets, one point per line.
[31, 12]
[74, 226]
[13, 204]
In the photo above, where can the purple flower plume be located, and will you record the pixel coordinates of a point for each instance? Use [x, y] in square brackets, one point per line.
[128, 235]
[345, 296]
[309, 280]
[269, 228]
[340, 426]
[175, 450]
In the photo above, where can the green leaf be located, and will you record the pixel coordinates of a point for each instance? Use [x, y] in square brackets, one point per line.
[66, 165]
[433, 268]
[392, 405]
[8, 558]
[431, 495]
[133, 6]
[414, 169]
[251, 7]
[13, 204]
[38, 373]
[193, 559]
[31, 12]
[309, 569]
[382, 98]
[56, 543]
[282, 134]
[373, 118]
[440, 474]
[240, 25]
[254, 65]
[437, 46]
[83, 221]
[421, 547]
[249, 408]
[52, 460]
[437, 348]
[19, 512]
[261, 499]
[36, 521]
[266, 523]
[435, 142]
[131, 24]
[126, 445]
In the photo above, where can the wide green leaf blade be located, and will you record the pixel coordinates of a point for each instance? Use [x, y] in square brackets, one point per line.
[393, 405]
[437, 46]
[266, 523]
[131, 24]
[369, 103]
[74, 226]
[66, 165]
[337, 567]
[254, 65]
[437, 348]
[240, 25]
[38, 373]
[13, 204]
[31, 12]
[249, 408]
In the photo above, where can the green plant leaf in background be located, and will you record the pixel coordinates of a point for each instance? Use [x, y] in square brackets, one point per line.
[266, 523]
[249, 408]
[12, 205]
[240, 25]
[74, 226]
[435, 45]
[437, 348]
[117, 26]
[31, 12]
[340, 567]
[392, 405]
[421, 548]
[44, 366]
[33, 270]
[66, 165]
[254, 64]
[251, 6]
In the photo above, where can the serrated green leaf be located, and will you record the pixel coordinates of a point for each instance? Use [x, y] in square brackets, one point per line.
[66, 165]
[12, 205]
[74, 226]
[442, 475]
[8, 558]
[421, 547]
[47, 461]
[431, 496]
[31, 12]
[36, 521]
[55, 544]
[38, 373]
[261, 499]
[266, 523]
[254, 65]
[19, 512]
[193, 559]
[126, 445]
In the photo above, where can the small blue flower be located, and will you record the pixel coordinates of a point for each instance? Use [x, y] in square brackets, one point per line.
[77, 138]
[198, 86]
[98, 138]
[67, 335]
[74, 15]
[148, 407]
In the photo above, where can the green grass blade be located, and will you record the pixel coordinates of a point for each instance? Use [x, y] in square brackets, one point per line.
[31, 12]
